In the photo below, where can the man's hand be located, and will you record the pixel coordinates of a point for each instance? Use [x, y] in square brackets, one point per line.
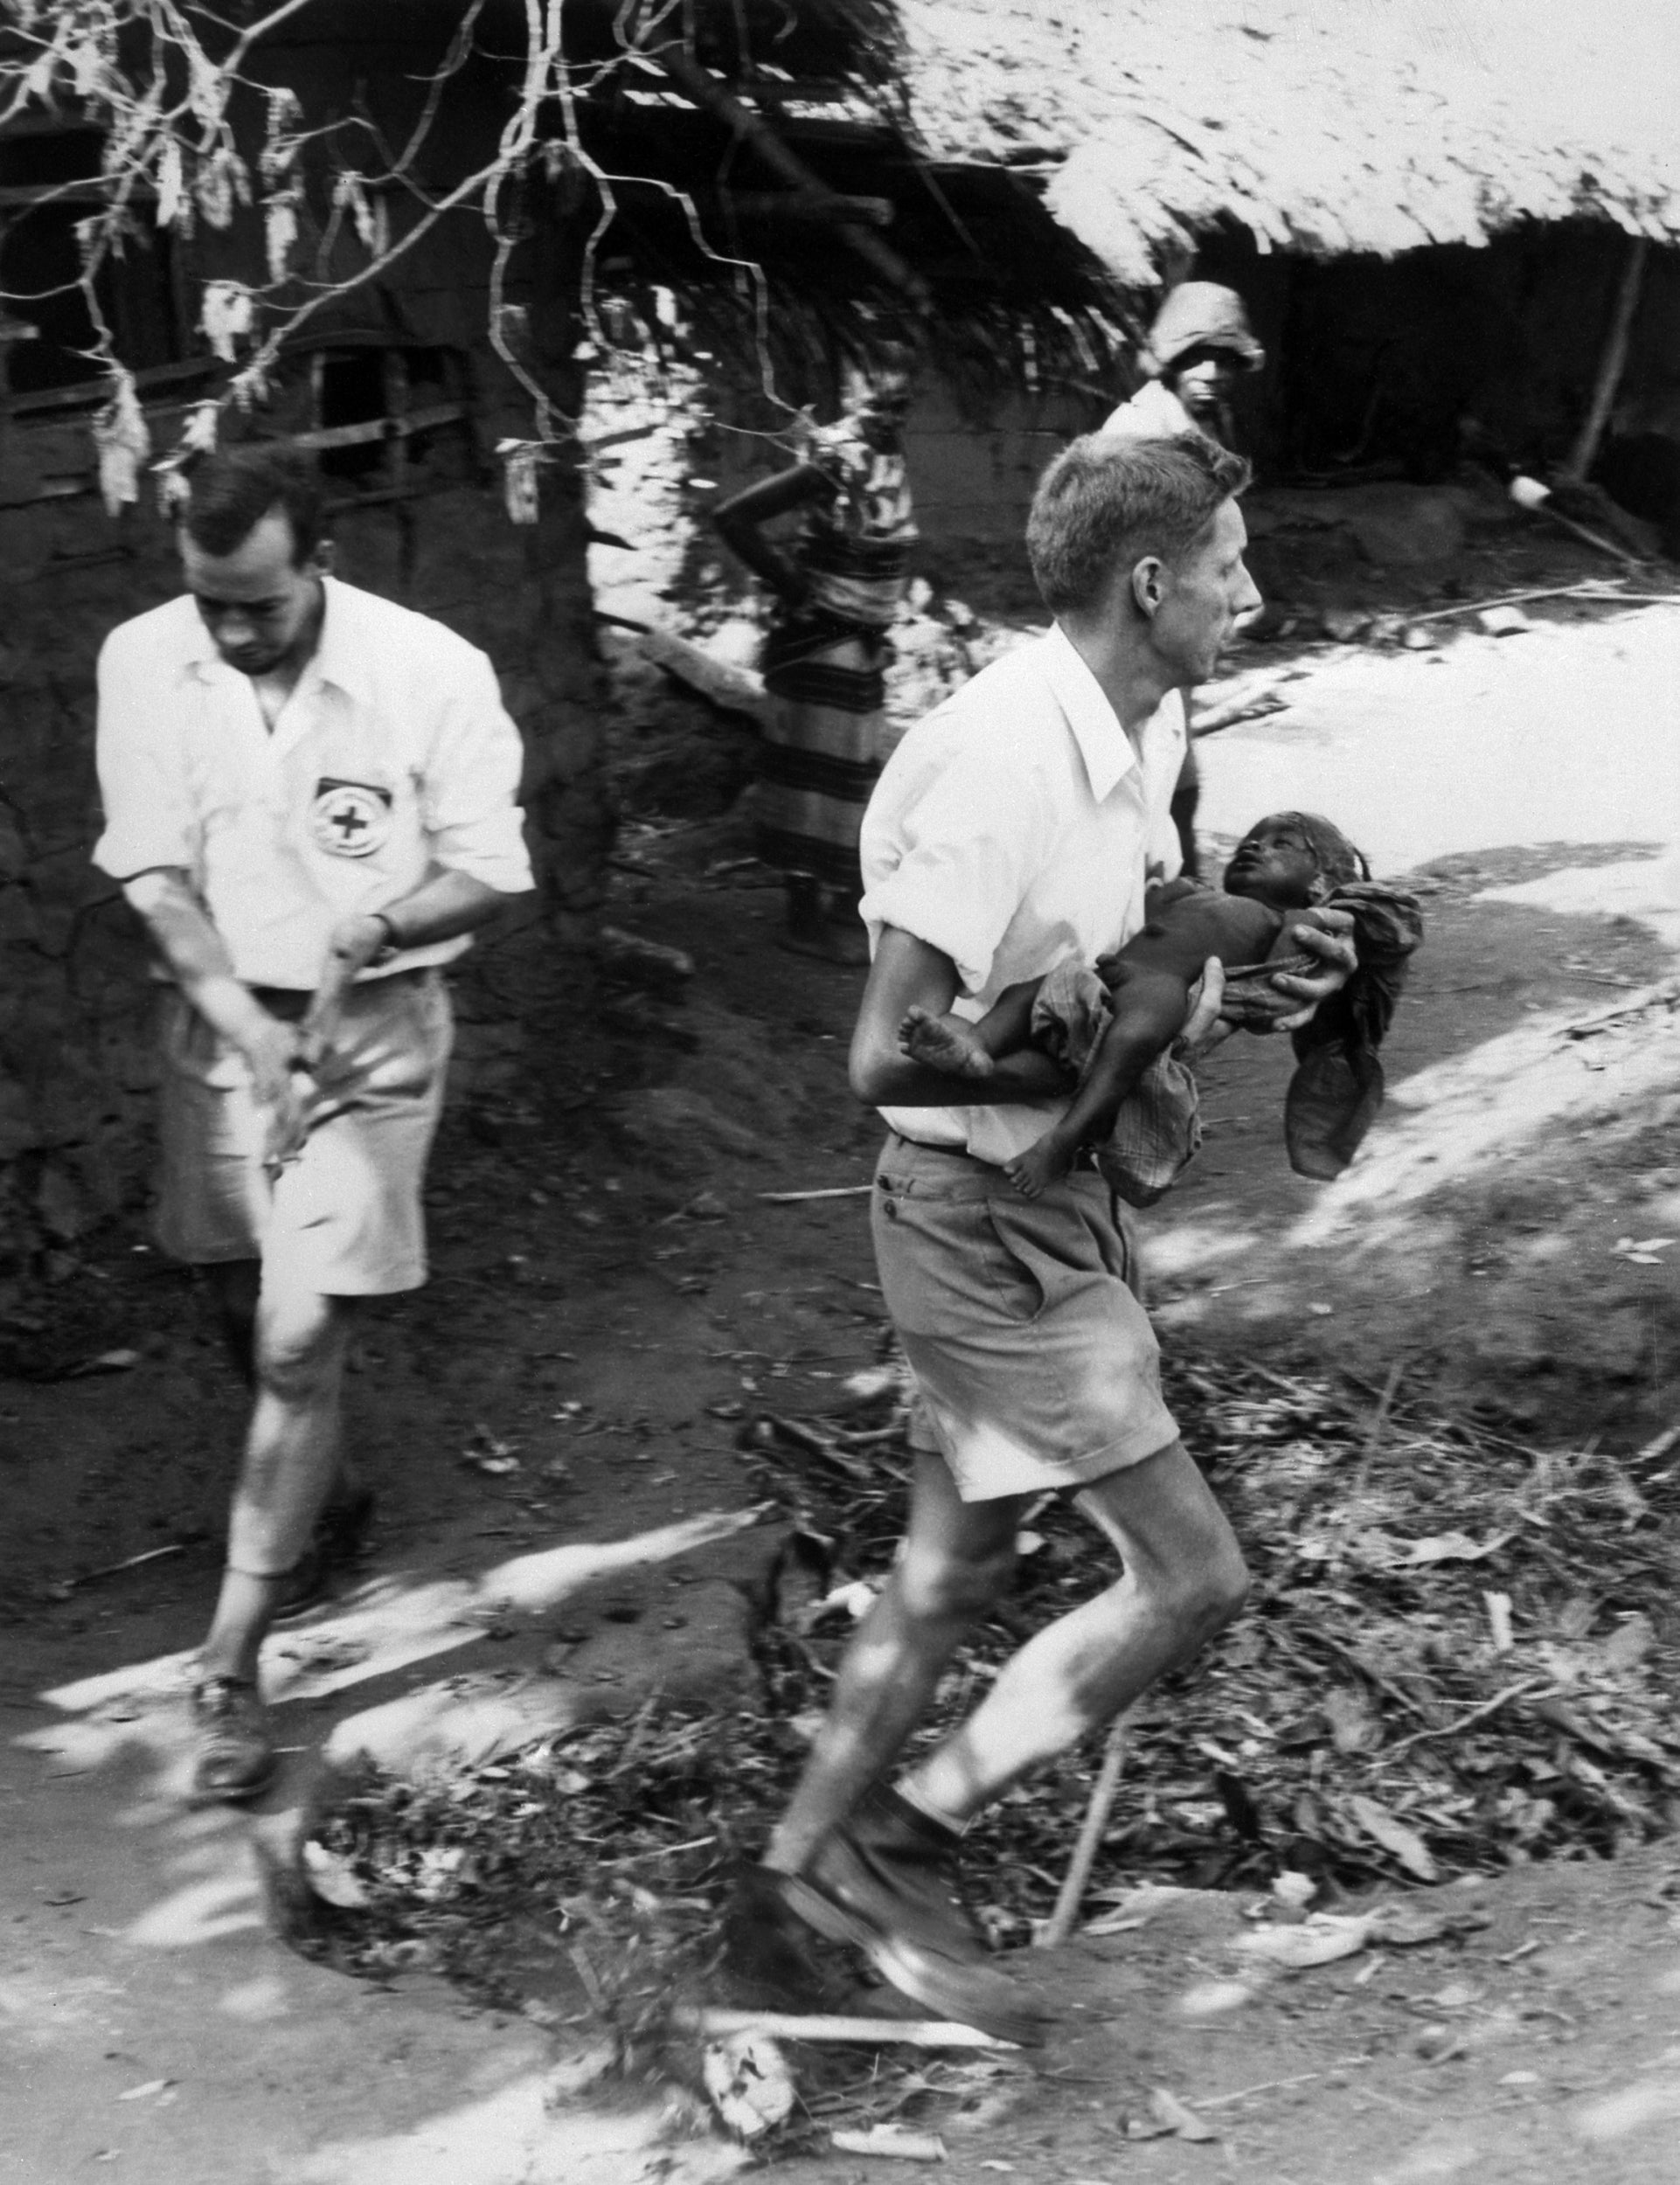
[1339, 956]
[352, 946]
[280, 1089]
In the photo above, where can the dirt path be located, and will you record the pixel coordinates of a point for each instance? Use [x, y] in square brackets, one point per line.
[612, 1283]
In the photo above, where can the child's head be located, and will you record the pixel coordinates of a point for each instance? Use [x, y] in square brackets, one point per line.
[1293, 860]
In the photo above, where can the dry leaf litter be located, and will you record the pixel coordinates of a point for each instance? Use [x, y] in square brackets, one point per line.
[1457, 1657]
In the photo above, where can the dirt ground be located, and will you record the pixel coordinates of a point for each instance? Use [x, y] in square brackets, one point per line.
[612, 1283]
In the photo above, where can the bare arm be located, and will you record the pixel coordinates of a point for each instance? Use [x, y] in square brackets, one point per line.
[739, 520]
[198, 956]
[909, 972]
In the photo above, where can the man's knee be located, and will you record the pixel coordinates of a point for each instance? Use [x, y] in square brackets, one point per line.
[936, 1588]
[301, 1348]
[1214, 1593]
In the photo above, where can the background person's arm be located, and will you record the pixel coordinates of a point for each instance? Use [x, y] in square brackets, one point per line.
[907, 971]
[739, 523]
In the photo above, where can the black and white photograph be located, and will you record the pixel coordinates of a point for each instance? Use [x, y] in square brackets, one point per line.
[840, 1091]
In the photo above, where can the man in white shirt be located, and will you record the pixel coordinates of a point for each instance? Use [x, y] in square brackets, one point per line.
[310, 800]
[1012, 830]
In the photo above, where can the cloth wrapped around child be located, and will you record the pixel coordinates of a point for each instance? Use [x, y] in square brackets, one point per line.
[1113, 1025]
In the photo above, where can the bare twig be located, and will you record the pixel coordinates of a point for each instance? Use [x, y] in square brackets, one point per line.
[834, 1191]
[920, 2033]
[1536, 1689]
[1056, 1930]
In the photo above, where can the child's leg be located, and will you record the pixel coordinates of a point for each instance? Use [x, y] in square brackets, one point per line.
[1149, 1012]
[967, 1049]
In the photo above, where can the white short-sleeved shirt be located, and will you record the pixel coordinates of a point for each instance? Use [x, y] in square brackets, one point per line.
[393, 754]
[1014, 828]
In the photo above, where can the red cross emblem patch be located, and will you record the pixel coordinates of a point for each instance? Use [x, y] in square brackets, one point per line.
[350, 819]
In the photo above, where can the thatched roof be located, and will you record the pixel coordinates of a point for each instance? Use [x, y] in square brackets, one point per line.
[1319, 126]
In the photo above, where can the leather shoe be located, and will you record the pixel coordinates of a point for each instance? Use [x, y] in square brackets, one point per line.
[883, 1882]
[236, 1757]
[768, 1963]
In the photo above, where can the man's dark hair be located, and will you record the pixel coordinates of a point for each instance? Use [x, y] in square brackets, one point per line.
[1107, 502]
[230, 492]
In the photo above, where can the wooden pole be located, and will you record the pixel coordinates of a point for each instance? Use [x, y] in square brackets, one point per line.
[1611, 364]
[1060, 1925]
[752, 129]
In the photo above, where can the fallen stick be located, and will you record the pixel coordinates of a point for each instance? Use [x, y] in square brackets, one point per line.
[832, 1191]
[1641, 999]
[1545, 592]
[129, 1563]
[1056, 1930]
[919, 2033]
[1534, 1689]
[1374, 1438]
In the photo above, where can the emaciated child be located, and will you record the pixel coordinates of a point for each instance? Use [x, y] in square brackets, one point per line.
[1113, 1026]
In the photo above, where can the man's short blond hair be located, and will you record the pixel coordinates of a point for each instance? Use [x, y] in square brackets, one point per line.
[1107, 502]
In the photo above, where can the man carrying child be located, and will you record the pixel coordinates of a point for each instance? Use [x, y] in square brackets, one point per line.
[1013, 831]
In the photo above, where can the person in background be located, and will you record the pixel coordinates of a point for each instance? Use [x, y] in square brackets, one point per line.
[1200, 345]
[310, 800]
[838, 584]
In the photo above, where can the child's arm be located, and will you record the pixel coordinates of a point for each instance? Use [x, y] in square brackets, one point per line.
[1149, 1010]
[965, 1047]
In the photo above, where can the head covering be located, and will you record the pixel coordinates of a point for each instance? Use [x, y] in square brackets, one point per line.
[1200, 314]
[1338, 860]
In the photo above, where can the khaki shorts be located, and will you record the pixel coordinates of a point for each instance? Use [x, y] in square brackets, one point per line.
[1035, 1365]
[343, 1219]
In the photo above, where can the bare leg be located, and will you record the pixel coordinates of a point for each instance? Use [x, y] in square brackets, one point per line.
[1183, 1581]
[291, 1455]
[237, 1286]
[957, 1560]
[1045, 1161]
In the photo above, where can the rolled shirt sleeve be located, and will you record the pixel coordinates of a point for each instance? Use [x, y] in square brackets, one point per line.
[954, 864]
[148, 818]
[470, 790]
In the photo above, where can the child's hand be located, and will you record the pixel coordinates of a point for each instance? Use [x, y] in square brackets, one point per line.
[1040, 1166]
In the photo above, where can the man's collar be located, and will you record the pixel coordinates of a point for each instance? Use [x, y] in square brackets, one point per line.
[340, 657]
[1104, 745]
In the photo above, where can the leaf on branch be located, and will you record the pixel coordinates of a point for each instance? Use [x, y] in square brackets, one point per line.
[171, 194]
[279, 230]
[226, 316]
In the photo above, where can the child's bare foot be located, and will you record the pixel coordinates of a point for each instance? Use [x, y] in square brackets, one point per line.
[1040, 1166]
[943, 1042]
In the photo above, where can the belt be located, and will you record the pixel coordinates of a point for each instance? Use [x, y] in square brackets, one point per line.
[289, 1001]
[1085, 1158]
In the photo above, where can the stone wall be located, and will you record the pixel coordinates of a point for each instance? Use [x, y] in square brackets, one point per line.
[74, 1064]
[427, 527]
